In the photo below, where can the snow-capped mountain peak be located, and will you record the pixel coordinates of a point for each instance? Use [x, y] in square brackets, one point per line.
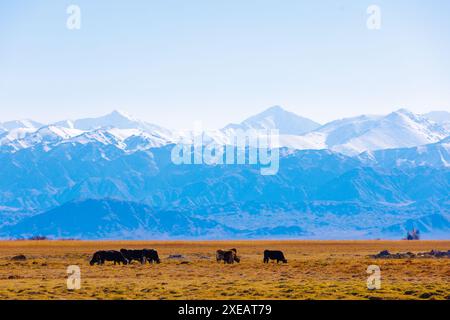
[115, 119]
[405, 115]
[126, 139]
[113, 128]
[49, 134]
[25, 137]
[120, 114]
[399, 129]
[276, 117]
[20, 124]
[412, 127]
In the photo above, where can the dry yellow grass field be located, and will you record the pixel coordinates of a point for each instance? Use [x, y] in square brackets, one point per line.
[316, 270]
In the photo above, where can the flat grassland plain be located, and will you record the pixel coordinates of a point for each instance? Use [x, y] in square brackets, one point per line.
[315, 270]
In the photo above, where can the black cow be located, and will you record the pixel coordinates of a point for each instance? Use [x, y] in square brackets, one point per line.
[151, 255]
[274, 255]
[142, 256]
[221, 253]
[229, 256]
[131, 255]
[112, 255]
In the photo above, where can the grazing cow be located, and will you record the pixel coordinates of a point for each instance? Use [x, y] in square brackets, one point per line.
[219, 255]
[101, 256]
[228, 257]
[151, 256]
[131, 255]
[274, 255]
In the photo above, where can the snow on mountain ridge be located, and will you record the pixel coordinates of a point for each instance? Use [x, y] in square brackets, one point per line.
[46, 135]
[112, 128]
[116, 119]
[351, 136]
[435, 155]
[445, 140]
[438, 116]
[125, 139]
[20, 124]
[399, 129]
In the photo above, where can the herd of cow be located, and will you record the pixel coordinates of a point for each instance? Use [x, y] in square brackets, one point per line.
[125, 256]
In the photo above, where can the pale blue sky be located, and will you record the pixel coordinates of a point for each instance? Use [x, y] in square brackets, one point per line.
[173, 62]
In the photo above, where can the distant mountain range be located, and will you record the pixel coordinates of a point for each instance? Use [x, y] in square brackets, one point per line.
[351, 136]
[112, 177]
